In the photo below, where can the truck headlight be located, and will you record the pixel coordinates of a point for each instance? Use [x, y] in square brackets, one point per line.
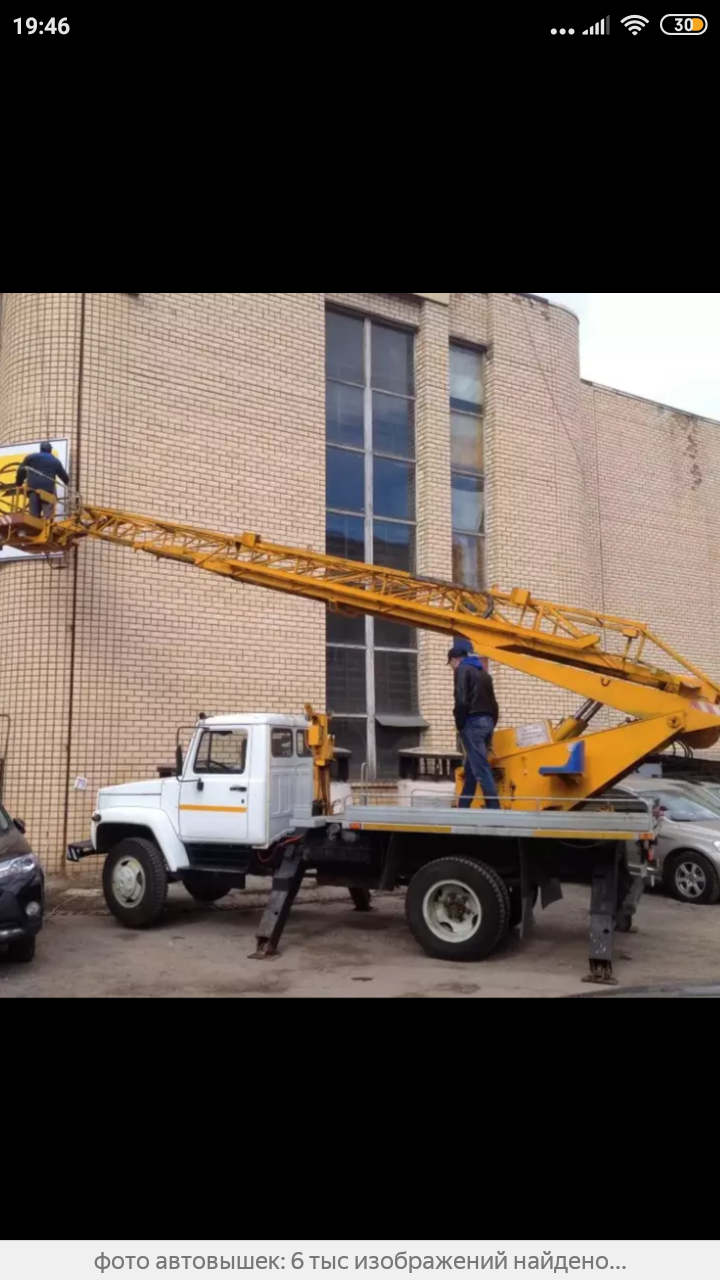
[27, 862]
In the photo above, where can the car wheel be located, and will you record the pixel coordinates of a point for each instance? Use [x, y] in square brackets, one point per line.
[691, 877]
[135, 882]
[22, 951]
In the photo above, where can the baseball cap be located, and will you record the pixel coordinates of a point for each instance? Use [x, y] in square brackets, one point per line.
[460, 649]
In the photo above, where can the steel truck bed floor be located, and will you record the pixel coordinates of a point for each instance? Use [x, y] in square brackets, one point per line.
[521, 825]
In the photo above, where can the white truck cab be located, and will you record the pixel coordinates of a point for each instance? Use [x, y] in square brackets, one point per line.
[243, 785]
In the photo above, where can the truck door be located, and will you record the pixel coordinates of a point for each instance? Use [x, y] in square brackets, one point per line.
[214, 789]
[282, 781]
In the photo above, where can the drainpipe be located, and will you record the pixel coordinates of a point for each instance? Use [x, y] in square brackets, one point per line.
[76, 477]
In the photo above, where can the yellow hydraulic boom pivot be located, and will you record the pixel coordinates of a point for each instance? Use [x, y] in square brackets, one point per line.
[600, 658]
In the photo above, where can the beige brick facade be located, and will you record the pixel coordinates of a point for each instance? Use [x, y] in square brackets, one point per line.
[210, 409]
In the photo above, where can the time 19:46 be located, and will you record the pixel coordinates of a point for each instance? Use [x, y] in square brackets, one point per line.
[53, 25]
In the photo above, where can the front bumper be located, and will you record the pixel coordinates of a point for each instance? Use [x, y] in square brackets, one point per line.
[79, 850]
[18, 893]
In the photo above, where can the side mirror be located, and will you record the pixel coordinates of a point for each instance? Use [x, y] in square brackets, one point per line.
[178, 760]
[20, 825]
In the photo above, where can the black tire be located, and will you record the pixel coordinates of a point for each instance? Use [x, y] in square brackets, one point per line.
[361, 899]
[516, 906]
[152, 883]
[675, 878]
[22, 951]
[207, 888]
[488, 928]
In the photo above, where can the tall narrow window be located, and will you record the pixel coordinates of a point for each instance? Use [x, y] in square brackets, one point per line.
[372, 664]
[468, 470]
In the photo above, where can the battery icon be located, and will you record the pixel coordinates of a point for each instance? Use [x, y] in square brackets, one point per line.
[683, 24]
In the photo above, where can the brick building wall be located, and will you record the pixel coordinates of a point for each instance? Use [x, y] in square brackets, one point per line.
[210, 408]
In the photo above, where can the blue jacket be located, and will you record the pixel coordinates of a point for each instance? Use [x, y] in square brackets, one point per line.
[41, 470]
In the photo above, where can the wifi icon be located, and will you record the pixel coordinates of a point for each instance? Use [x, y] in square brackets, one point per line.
[634, 23]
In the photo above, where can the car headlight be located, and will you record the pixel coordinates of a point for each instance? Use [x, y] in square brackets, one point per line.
[717, 844]
[15, 866]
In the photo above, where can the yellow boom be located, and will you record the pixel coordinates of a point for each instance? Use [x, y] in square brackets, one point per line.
[601, 658]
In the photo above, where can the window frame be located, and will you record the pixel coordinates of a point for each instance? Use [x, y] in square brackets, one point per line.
[470, 473]
[369, 453]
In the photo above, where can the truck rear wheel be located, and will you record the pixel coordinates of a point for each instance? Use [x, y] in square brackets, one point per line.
[135, 882]
[206, 888]
[457, 909]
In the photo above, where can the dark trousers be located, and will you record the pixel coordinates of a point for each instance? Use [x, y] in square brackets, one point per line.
[38, 508]
[477, 740]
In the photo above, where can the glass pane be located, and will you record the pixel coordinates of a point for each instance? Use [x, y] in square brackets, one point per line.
[469, 561]
[388, 743]
[468, 504]
[392, 360]
[396, 685]
[394, 635]
[346, 691]
[394, 489]
[221, 752]
[345, 536]
[344, 630]
[345, 480]
[345, 415]
[466, 435]
[393, 425]
[281, 744]
[344, 348]
[351, 735]
[394, 546]
[465, 379]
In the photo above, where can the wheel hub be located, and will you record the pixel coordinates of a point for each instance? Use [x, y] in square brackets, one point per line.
[452, 911]
[128, 882]
[691, 880]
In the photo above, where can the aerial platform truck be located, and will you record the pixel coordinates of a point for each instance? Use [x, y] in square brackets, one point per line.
[252, 795]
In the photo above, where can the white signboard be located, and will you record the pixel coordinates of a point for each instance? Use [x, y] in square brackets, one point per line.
[533, 735]
[11, 457]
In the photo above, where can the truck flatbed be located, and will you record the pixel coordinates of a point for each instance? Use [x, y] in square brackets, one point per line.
[522, 824]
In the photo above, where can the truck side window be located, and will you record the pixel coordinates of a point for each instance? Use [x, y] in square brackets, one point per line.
[221, 751]
[282, 744]
[303, 749]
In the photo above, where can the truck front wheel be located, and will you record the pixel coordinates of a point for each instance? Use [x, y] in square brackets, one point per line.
[457, 909]
[135, 882]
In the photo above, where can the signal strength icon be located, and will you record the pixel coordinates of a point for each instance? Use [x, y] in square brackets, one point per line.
[634, 22]
[601, 28]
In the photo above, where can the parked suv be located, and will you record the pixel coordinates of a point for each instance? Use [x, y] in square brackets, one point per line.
[687, 853]
[22, 891]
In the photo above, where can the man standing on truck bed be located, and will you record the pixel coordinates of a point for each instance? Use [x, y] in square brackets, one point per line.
[40, 471]
[476, 715]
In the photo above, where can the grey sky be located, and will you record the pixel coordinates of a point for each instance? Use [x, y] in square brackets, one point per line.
[660, 345]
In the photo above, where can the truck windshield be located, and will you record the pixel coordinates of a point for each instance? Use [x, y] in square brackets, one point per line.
[4, 821]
